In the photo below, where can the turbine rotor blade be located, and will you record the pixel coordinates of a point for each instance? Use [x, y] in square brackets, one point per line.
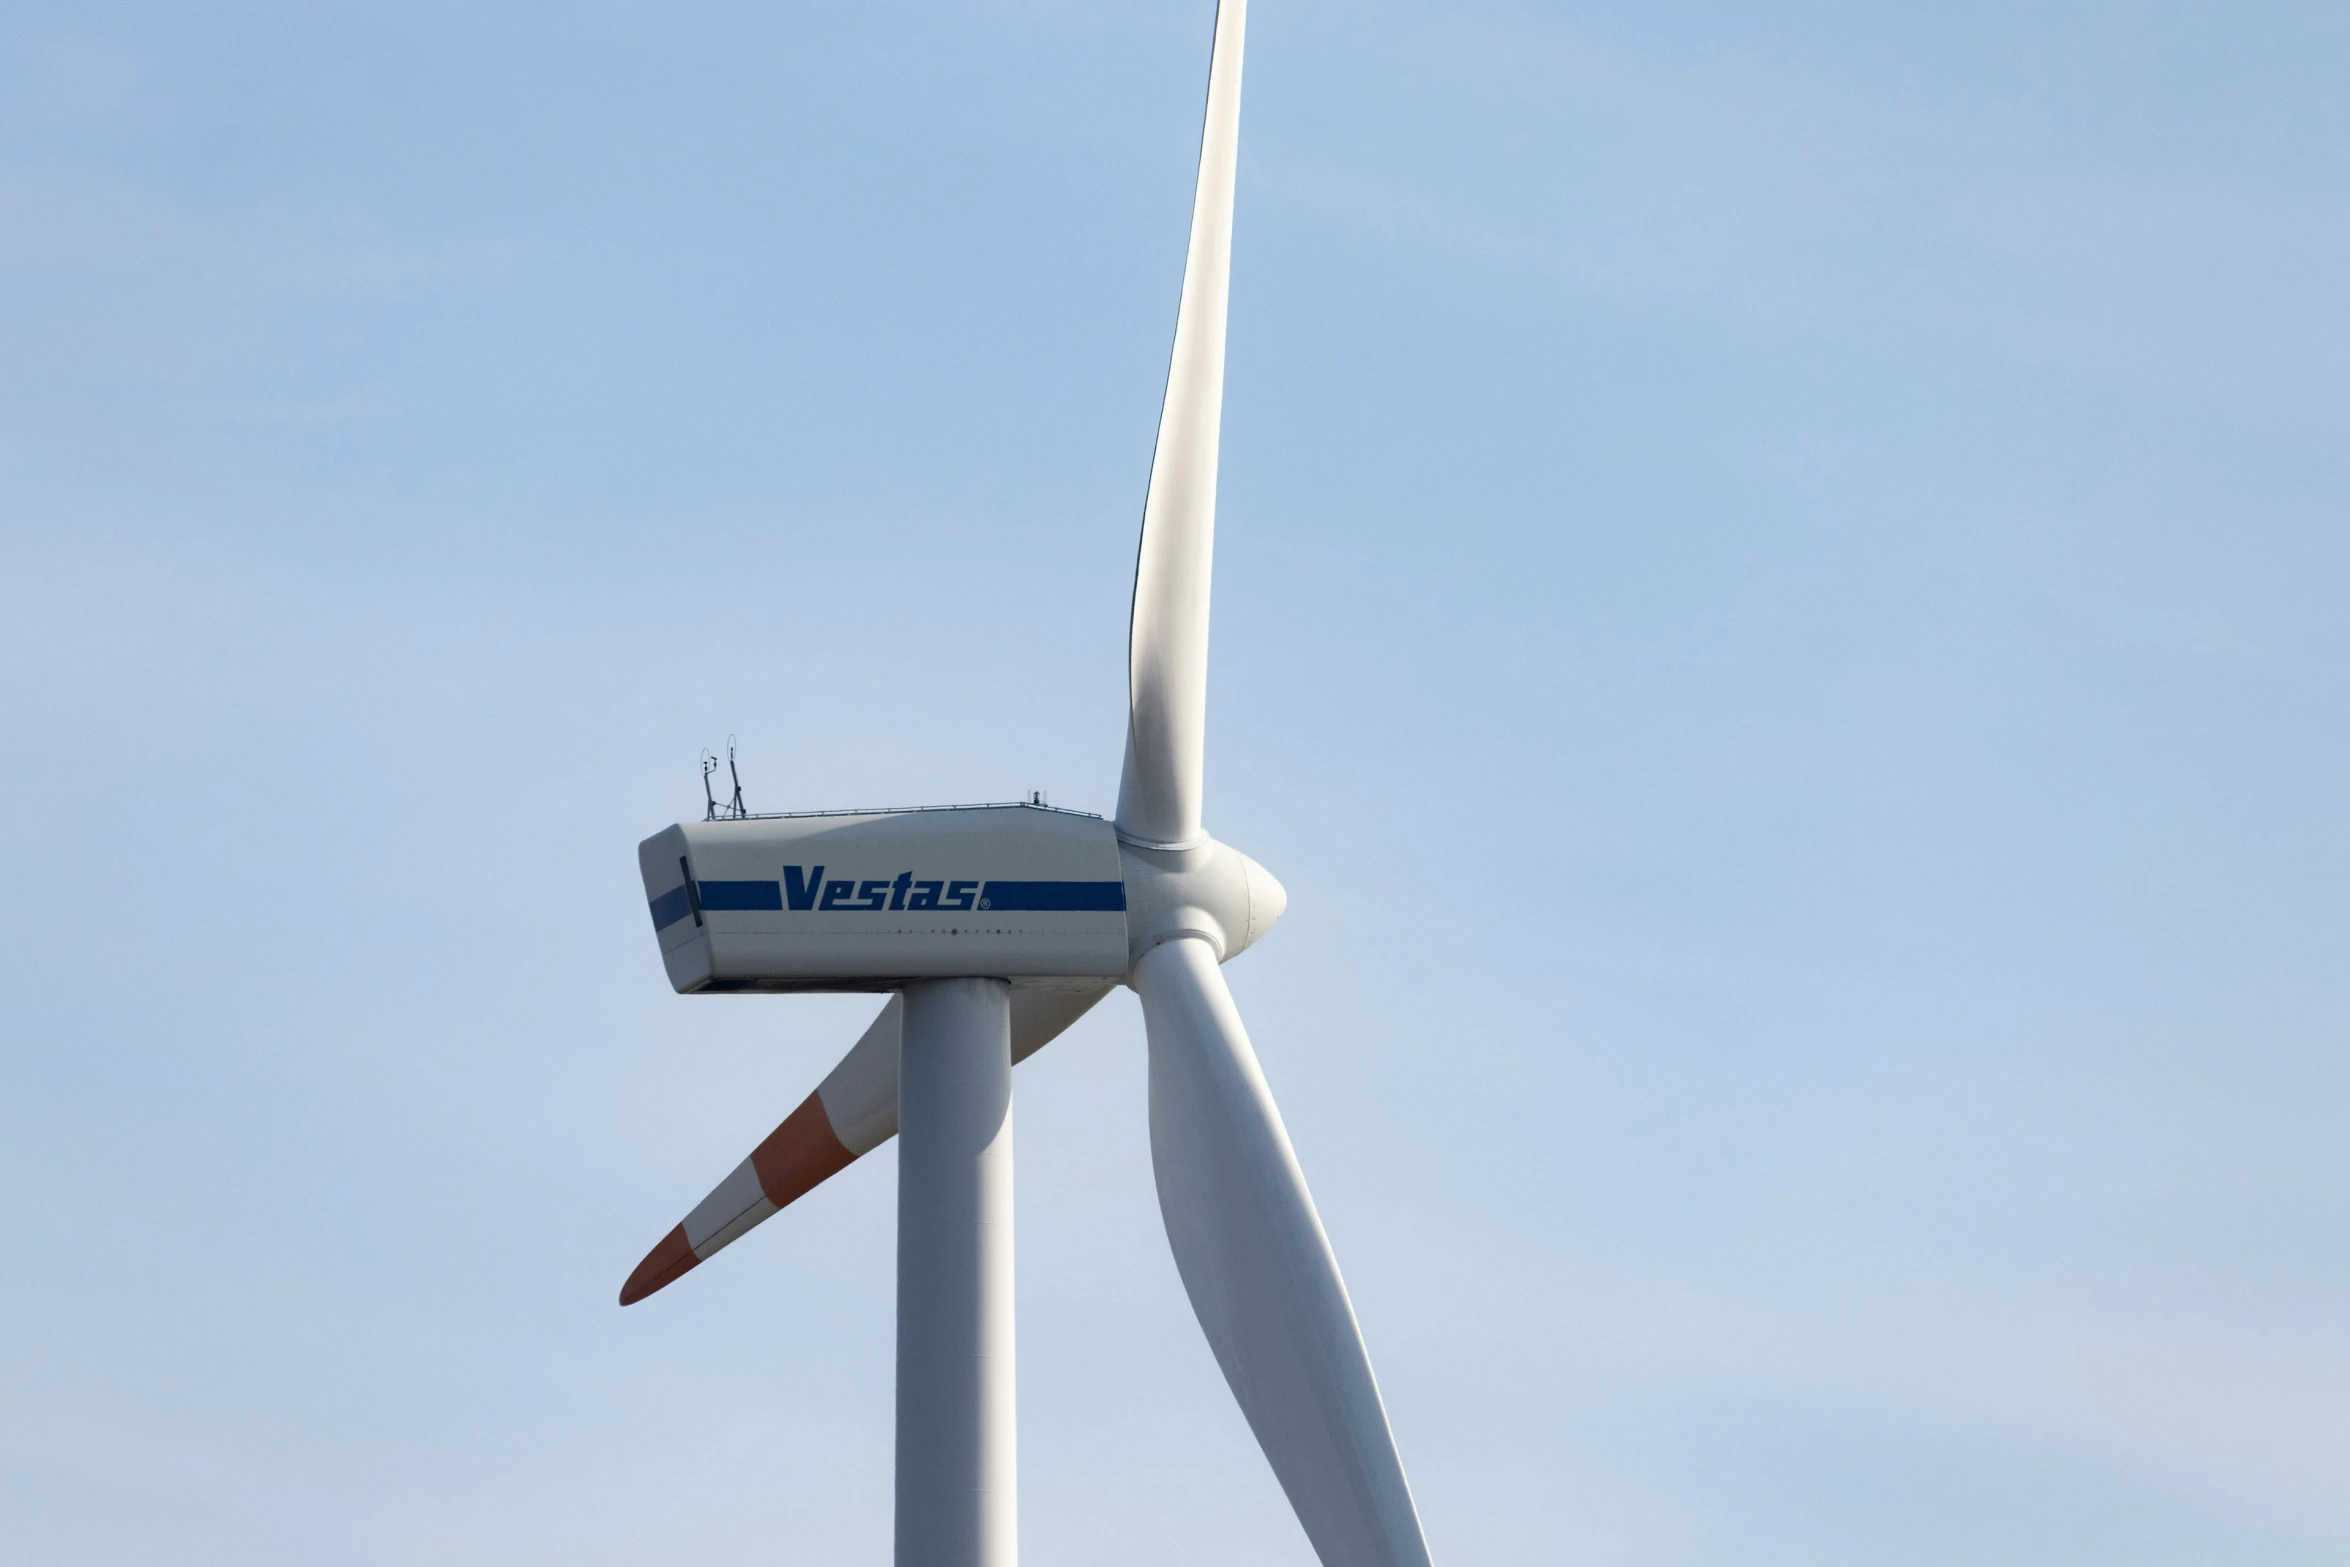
[1167, 640]
[1260, 1272]
[851, 1113]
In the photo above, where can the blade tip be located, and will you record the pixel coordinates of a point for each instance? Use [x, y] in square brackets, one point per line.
[671, 1258]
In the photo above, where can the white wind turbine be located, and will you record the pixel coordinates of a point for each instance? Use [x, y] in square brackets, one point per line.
[995, 927]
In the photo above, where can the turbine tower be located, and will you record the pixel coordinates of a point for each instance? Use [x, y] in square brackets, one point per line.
[992, 929]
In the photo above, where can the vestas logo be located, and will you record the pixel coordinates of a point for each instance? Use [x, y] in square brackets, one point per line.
[809, 890]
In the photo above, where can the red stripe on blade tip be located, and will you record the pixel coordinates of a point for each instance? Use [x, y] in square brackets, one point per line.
[800, 1154]
[665, 1262]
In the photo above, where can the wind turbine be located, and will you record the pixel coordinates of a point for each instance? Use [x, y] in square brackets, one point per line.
[993, 928]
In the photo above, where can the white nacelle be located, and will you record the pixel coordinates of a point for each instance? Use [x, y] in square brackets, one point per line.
[870, 900]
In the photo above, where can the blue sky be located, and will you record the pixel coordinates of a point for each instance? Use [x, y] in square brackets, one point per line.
[1779, 615]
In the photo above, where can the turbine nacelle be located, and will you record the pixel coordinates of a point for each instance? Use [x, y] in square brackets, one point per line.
[871, 900]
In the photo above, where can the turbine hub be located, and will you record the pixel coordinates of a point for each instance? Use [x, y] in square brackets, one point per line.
[1210, 890]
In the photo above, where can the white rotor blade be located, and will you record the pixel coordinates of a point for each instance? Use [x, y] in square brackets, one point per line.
[1167, 642]
[1260, 1271]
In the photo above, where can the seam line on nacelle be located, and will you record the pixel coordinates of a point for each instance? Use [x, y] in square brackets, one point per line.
[1172, 846]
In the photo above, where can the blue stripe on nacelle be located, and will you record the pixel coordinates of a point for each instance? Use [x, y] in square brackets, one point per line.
[1031, 897]
[670, 907]
[1054, 896]
[742, 895]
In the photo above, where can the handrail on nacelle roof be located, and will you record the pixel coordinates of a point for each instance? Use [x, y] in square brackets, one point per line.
[908, 810]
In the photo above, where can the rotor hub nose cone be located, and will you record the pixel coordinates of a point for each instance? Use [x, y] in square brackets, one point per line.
[1267, 898]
